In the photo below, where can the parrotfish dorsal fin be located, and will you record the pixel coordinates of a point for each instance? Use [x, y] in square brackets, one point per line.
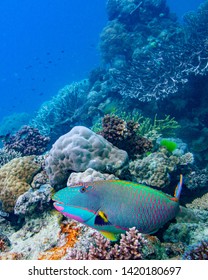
[109, 235]
[178, 188]
[101, 219]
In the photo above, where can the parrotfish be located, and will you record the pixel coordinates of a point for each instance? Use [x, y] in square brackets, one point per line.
[114, 206]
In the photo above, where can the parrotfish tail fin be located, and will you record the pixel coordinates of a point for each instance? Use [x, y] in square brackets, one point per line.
[179, 188]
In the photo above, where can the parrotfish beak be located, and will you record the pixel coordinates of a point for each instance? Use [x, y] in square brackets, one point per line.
[77, 213]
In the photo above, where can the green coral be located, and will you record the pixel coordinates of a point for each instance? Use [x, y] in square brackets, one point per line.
[168, 144]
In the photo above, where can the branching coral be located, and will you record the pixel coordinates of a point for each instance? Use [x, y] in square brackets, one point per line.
[129, 248]
[197, 251]
[162, 54]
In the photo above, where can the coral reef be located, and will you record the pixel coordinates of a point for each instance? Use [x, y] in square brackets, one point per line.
[36, 235]
[197, 179]
[197, 251]
[6, 156]
[88, 175]
[147, 40]
[68, 236]
[27, 141]
[15, 179]
[199, 202]
[130, 247]
[190, 228]
[154, 169]
[33, 201]
[58, 115]
[124, 135]
[80, 149]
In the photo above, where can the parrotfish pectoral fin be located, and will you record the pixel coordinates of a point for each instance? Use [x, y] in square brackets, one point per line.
[101, 219]
[109, 235]
[179, 188]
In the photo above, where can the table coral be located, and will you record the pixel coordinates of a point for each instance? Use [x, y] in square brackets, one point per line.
[15, 179]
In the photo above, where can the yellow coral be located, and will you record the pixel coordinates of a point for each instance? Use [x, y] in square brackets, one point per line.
[15, 179]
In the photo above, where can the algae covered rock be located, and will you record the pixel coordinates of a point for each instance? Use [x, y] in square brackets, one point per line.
[15, 179]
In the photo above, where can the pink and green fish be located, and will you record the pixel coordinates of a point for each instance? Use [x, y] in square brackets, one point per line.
[114, 206]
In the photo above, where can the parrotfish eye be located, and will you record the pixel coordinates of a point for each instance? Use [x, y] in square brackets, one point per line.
[83, 189]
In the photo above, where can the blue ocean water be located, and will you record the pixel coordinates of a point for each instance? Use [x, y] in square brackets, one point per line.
[48, 44]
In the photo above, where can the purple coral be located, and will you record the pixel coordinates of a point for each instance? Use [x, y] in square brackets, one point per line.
[124, 135]
[129, 248]
[197, 252]
[27, 141]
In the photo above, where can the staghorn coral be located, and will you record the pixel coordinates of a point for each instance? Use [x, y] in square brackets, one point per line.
[27, 141]
[124, 135]
[80, 149]
[197, 251]
[15, 179]
[129, 247]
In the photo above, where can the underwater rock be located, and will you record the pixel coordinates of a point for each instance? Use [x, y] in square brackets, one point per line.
[88, 176]
[33, 201]
[36, 236]
[15, 179]
[80, 149]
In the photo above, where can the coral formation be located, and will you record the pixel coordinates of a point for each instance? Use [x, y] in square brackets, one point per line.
[154, 169]
[197, 251]
[27, 141]
[69, 232]
[33, 201]
[36, 235]
[88, 176]
[80, 149]
[6, 156]
[15, 179]
[151, 41]
[129, 247]
[124, 135]
[51, 118]
[197, 179]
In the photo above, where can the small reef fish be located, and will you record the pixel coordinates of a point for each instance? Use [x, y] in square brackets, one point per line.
[114, 206]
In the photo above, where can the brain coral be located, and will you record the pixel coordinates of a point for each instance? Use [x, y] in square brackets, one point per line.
[80, 149]
[15, 179]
